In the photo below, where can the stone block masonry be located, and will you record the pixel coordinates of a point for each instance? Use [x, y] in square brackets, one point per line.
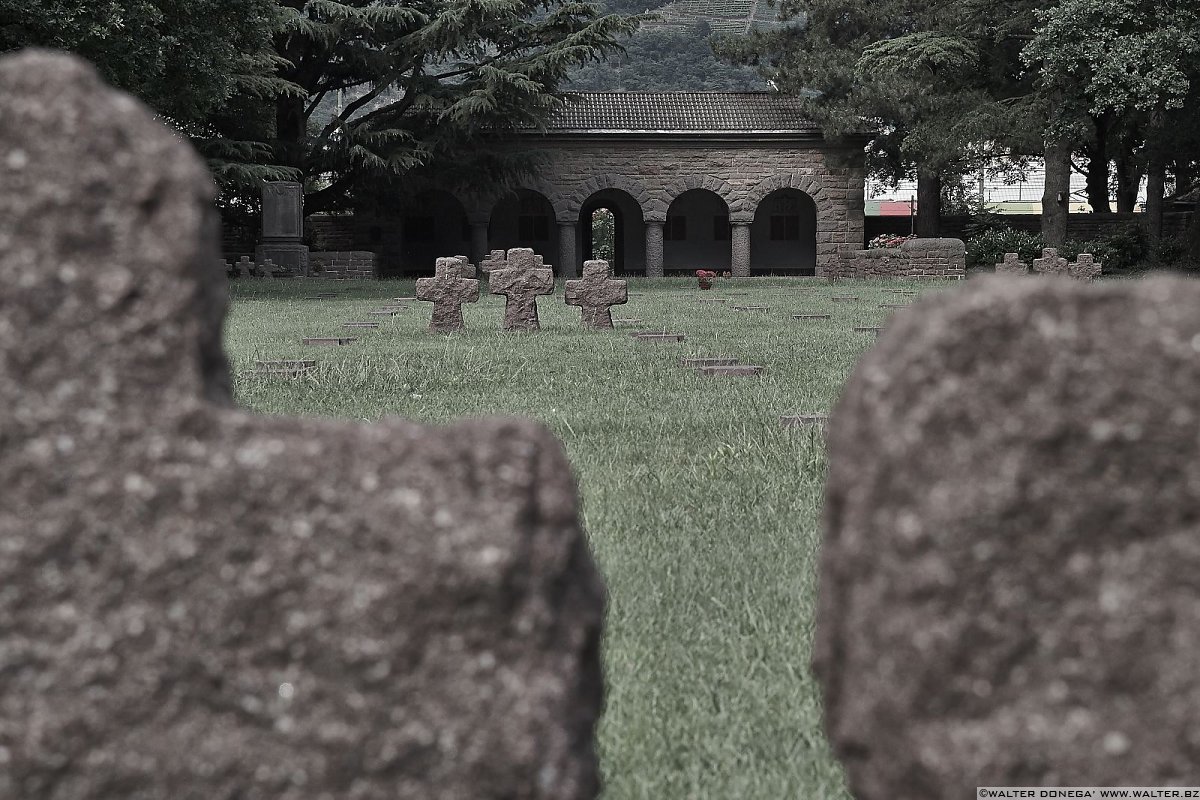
[917, 258]
[342, 264]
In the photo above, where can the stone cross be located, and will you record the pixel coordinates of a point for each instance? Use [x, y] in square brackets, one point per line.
[1008, 571]
[1012, 265]
[521, 281]
[199, 601]
[596, 293]
[245, 267]
[466, 268]
[447, 290]
[1084, 268]
[1051, 263]
[494, 261]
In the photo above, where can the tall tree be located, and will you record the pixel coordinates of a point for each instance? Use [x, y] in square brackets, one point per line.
[1126, 57]
[424, 84]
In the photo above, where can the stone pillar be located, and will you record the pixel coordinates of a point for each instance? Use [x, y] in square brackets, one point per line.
[283, 227]
[741, 249]
[567, 267]
[479, 241]
[654, 249]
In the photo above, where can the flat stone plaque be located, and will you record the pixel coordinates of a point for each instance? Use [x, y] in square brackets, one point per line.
[751, 308]
[404, 299]
[385, 312]
[893, 305]
[810, 316]
[286, 364]
[360, 324]
[658, 337]
[712, 299]
[709, 362]
[844, 298]
[867, 329]
[733, 370]
[330, 340]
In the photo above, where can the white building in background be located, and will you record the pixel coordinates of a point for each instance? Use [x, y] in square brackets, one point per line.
[1003, 196]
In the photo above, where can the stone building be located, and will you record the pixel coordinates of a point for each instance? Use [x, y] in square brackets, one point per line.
[734, 181]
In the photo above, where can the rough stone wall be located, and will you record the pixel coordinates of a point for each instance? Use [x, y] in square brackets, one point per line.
[919, 258]
[342, 264]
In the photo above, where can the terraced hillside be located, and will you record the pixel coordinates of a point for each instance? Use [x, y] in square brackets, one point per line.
[722, 16]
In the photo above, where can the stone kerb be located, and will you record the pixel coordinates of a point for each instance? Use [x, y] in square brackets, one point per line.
[1007, 580]
[203, 602]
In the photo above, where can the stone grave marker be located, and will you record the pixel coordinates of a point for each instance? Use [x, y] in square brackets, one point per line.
[495, 260]
[467, 269]
[1085, 267]
[521, 281]
[810, 316]
[712, 299]
[291, 367]
[412, 299]
[1012, 265]
[1051, 263]
[1008, 573]
[329, 340]
[447, 290]
[867, 329]
[596, 293]
[355, 324]
[385, 312]
[731, 370]
[202, 602]
[894, 305]
[844, 298]
[716, 361]
[245, 267]
[651, 336]
[751, 308]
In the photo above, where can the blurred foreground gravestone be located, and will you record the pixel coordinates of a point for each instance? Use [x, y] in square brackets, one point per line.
[199, 602]
[1008, 575]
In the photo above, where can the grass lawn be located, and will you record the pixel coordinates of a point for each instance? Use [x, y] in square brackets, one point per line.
[702, 511]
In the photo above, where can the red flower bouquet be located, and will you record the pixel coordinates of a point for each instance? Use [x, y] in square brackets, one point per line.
[705, 278]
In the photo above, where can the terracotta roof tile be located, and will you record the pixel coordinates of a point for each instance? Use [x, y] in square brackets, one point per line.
[684, 112]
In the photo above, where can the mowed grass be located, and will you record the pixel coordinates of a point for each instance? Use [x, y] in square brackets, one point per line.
[701, 509]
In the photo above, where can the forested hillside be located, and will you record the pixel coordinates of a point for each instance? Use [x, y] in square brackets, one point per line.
[671, 51]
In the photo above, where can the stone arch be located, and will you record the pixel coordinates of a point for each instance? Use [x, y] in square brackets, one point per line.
[573, 203]
[786, 180]
[719, 187]
[482, 205]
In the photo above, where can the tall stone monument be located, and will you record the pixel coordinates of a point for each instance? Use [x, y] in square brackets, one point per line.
[283, 227]
[201, 602]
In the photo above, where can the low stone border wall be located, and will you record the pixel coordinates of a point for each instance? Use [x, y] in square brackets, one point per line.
[918, 258]
[342, 264]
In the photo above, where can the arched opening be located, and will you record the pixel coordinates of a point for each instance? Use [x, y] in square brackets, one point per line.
[697, 234]
[409, 233]
[525, 218]
[628, 230]
[783, 238]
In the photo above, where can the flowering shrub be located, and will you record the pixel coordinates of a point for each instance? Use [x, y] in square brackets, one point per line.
[704, 278]
[888, 240]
